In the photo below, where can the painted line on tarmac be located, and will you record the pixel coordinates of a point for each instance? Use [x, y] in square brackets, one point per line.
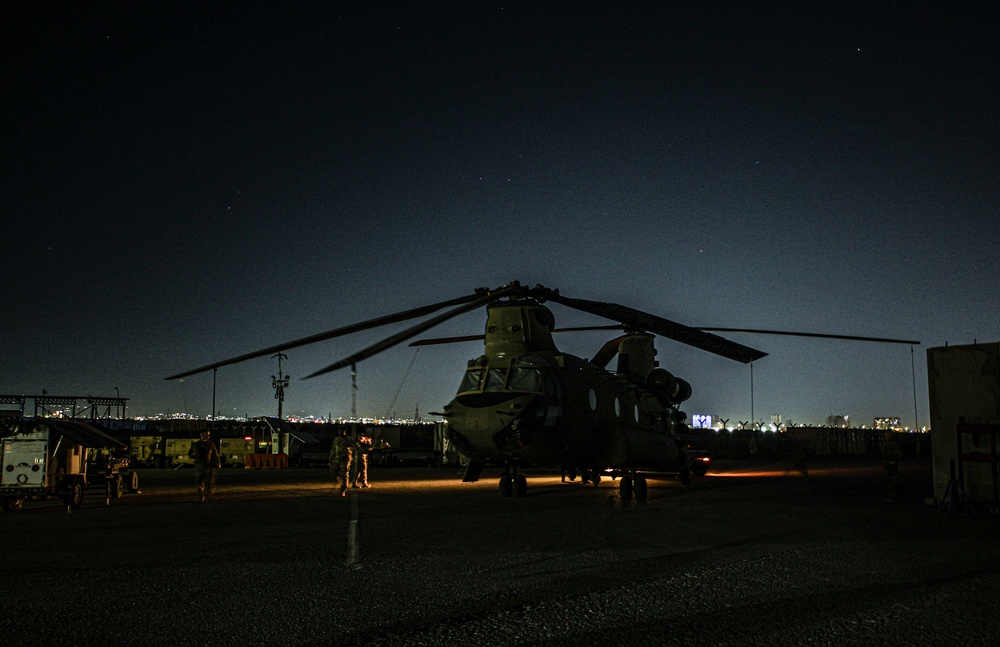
[353, 545]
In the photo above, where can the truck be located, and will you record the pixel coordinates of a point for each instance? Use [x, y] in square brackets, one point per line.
[49, 458]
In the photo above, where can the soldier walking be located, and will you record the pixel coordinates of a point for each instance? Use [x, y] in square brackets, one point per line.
[364, 446]
[206, 460]
[341, 455]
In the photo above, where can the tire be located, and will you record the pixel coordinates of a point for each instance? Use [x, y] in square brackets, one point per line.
[73, 496]
[520, 485]
[685, 476]
[639, 488]
[625, 488]
[506, 485]
[12, 503]
[133, 482]
[117, 486]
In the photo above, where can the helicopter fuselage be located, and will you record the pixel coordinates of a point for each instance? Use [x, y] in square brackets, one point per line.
[524, 403]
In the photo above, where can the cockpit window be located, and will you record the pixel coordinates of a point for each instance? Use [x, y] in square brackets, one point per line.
[525, 376]
[495, 379]
[470, 382]
[525, 379]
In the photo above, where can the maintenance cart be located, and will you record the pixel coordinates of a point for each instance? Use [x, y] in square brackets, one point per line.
[49, 457]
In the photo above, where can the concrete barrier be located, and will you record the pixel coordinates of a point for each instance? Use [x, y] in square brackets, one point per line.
[265, 461]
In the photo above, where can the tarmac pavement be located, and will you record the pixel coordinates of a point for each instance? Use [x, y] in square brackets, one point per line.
[752, 554]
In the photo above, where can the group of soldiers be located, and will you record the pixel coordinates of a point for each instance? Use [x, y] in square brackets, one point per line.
[349, 461]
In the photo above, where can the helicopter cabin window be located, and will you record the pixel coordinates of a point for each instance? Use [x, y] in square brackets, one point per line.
[592, 397]
[470, 382]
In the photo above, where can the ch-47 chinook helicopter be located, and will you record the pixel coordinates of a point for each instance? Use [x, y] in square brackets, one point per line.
[525, 403]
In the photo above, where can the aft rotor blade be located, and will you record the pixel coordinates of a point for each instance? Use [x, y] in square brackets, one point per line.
[811, 334]
[330, 334]
[413, 331]
[455, 340]
[664, 327]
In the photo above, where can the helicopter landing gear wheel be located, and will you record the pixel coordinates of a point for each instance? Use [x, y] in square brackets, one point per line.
[520, 485]
[596, 478]
[625, 488]
[513, 485]
[685, 476]
[639, 488]
[506, 485]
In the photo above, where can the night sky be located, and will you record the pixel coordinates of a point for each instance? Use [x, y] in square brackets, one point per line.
[182, 183]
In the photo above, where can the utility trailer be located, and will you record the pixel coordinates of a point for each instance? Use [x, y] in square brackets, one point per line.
[48, 458]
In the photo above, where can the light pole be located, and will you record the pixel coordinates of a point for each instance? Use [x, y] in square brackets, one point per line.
[279, 384]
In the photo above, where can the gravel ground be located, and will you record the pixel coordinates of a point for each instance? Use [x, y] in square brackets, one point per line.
[752, 554]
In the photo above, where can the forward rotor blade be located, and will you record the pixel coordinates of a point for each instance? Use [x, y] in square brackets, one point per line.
[413, 331]
[330, 334]
[663, 327]
[811, 334]
[455, 340]
[446, 340]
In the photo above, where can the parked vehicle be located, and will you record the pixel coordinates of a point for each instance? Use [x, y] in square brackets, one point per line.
[48, 458]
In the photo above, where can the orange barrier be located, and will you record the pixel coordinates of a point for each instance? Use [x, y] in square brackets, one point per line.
[265, 461]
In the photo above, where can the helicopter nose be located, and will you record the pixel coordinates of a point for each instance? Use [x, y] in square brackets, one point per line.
[524, 420]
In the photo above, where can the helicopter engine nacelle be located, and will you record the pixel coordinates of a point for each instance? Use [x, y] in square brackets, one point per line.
[672, 388]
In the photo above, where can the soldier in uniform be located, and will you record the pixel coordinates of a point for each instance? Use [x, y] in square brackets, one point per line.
[364, 446]
[891, 453]
[206, 460]
[341, 455]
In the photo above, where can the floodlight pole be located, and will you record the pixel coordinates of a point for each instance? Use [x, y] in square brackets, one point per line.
[354, 400]
[354, 390]
[278, 384]
[214, 372]
[913, 373]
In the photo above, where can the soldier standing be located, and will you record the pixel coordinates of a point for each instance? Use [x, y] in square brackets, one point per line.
[891, 453]
[364, 446]
[206, 461]
[341, 455]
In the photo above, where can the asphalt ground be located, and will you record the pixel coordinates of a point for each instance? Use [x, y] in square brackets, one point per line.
[751, 554]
